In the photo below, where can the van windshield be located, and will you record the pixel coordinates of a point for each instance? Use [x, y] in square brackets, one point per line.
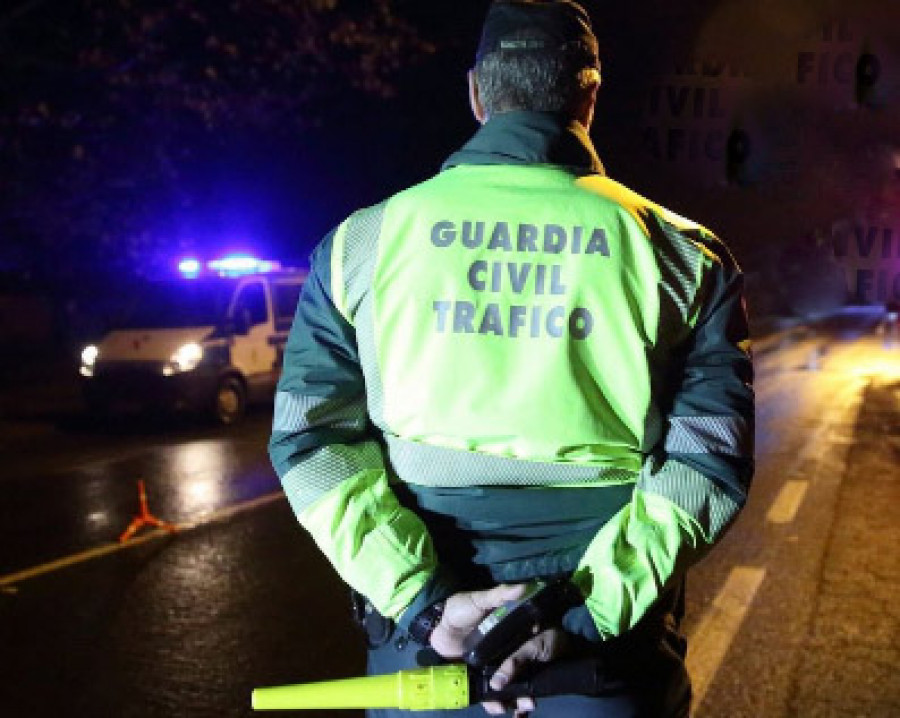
[177, 303]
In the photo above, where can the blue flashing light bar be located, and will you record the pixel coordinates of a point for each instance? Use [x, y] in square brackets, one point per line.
[190, 267]
[234, 265]
[237, 264]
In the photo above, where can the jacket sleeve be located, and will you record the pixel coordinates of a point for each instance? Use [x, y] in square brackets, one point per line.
[692, 487]
[330, 462]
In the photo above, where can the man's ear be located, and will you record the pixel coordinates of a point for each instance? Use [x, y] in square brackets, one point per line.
[475, 99]
[587, 100]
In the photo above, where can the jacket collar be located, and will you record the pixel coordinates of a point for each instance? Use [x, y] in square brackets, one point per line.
[530, 138]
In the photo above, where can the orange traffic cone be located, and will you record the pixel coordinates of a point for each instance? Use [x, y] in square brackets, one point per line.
[144, 518]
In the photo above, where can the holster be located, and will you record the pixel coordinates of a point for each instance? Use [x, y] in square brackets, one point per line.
[378, 629]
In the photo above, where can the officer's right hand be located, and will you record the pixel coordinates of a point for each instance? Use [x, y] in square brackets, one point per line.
[462, 614]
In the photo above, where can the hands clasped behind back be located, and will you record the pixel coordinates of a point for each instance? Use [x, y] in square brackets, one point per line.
[463, 612]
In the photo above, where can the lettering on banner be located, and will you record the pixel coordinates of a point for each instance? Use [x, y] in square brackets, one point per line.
[833, 61]
[688, 115]
[870, 256]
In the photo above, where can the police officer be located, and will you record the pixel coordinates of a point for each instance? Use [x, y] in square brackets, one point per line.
[520, 369]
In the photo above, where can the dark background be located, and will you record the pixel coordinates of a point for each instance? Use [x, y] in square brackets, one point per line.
[133, 133]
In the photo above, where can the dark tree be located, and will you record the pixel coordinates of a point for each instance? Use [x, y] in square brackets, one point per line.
[108, 107]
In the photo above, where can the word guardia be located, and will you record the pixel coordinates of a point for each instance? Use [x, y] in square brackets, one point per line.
[550, 239]
[523, 277]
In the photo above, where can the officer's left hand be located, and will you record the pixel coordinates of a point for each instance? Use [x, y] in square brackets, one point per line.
[544, 647]
[464, 611]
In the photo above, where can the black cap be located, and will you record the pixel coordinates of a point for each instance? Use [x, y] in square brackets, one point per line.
[536, 25]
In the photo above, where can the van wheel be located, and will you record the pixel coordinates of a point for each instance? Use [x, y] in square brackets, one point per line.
[231, 401]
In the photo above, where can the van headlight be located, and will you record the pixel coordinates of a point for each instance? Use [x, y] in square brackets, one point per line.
[185, 359]
[88, 359]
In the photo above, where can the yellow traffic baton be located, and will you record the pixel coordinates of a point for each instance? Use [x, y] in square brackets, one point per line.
[432, 688]
[444, 687]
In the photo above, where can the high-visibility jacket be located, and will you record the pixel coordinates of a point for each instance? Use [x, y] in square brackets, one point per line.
[516, 368]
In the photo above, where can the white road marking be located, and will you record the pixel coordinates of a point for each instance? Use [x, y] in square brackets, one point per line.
[710, 640]
[785, 506]
[108, 548]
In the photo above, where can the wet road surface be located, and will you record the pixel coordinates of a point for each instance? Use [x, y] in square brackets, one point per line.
[187, 624]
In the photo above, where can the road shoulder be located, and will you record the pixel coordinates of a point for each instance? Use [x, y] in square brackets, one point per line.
[851, 653]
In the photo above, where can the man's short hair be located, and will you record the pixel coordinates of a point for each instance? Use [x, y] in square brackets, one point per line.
[546, 80]
[535, 55]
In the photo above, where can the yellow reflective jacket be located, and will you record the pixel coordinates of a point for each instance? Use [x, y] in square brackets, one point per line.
[517, 368]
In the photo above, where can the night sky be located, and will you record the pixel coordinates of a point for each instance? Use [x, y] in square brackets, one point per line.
[134, 134]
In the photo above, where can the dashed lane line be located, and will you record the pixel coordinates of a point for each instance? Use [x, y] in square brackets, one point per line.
[105, 549]
[784, 509]
[710, 641]
[787, 503]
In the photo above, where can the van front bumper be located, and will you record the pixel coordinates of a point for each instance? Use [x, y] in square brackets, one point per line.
[141, 386]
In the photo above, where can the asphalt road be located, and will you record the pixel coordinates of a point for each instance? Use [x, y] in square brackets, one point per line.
[803, 574]
[790, 616]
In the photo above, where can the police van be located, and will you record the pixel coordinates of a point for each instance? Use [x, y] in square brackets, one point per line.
[209, 340]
